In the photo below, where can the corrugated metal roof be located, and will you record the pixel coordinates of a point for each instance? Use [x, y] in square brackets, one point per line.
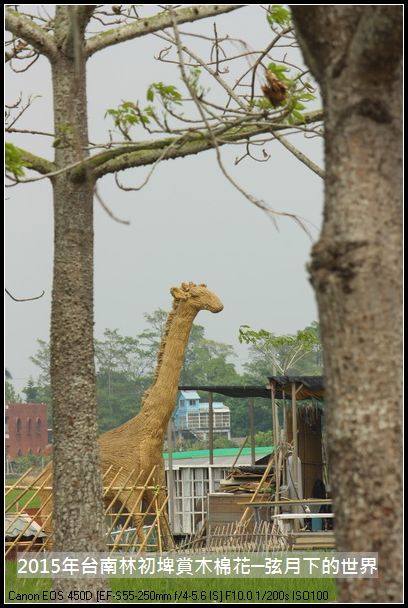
[14, 528]
[222, 461]
[219, 452]
[190, 395]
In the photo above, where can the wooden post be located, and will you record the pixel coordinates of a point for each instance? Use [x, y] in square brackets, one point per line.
[294, 438]
[296, 523]
[251, 429]
[272, 461]
[277, 425]
[274, 428]
[211, 427]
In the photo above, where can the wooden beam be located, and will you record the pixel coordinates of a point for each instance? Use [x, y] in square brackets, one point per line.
[251, 429]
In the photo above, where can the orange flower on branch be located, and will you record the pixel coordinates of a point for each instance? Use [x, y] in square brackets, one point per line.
[274, 89]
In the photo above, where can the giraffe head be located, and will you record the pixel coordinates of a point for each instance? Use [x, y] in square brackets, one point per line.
[197, 296]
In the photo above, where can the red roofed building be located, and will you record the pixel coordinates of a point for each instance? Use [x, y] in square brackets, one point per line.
[26, 429]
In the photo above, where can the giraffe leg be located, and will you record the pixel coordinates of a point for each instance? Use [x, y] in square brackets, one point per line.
[160, 507]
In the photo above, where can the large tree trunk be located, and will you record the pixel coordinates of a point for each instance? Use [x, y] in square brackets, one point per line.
[78, 507]
[356, 267]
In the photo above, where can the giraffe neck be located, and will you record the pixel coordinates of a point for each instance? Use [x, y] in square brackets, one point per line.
[160, 400]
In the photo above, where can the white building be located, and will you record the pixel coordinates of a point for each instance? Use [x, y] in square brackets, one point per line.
[192, 415]
[194, 478]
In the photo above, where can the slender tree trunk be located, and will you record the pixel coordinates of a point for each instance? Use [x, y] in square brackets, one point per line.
[356, 267]
[78, 507]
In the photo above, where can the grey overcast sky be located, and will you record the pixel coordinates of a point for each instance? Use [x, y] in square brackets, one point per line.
[187, 224]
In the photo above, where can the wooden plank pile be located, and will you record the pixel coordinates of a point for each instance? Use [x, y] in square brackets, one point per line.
[305, 541]
[248, 479]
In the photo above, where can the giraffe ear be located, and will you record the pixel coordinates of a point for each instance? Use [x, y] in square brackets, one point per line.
[178, 294]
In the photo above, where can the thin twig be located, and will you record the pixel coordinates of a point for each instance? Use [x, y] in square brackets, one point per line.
[257, 202]
[299, 155]
[23, 299]
[108, 211]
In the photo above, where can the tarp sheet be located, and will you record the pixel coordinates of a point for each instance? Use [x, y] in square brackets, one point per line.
[308, 387]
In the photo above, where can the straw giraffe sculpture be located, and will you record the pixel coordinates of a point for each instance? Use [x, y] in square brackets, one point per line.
[138, 444]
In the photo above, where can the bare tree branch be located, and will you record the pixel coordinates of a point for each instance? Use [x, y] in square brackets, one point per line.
[272, 213]
[106, 208]
[146, 153]
[158, 22]
[30, 32]
[214, 74]
[22, 107]
[23, 299]
[28, 131]
[299, 155]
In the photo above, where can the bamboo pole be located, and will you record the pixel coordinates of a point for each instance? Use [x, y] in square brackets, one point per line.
[152, 526]
[264, 476]
[277, 476]
[274, 433]
[159, 540]
[116, 496]
[294, 439]
[30, 499]
[16, 540]
[107, 490]
[41, 529]
[239, 453]
[19, 480]
[170, 534]
[28, 488]
[251, 429]
[130, 514]
[147, 512]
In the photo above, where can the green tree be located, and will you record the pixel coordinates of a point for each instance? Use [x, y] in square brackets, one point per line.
[207, 362]
[151, 336]
[121, 380]
[43, 382]
[264, 439]
[42, 360]
[272, 355]
[31, 391]
[10, 393]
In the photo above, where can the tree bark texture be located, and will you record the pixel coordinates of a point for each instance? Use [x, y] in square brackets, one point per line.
[78, 507]
[355, 54]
